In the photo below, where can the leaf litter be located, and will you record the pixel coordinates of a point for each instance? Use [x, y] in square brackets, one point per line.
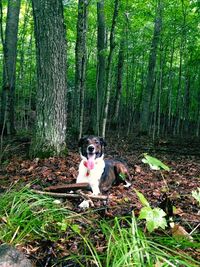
[182, 179]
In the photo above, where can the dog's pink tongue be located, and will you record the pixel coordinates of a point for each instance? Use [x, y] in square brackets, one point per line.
[90, 163]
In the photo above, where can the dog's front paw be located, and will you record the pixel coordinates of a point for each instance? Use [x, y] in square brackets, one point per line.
[127, 185]
[95, 190]
[85, 204]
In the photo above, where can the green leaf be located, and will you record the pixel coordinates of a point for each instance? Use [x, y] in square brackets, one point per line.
[122, 176]
[63, 225]
[196, 194]
[142, 198]
[146, 213]
[154, 218]
[75, 228]
[154, 163]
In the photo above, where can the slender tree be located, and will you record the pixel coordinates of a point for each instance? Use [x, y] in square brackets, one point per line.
[109, 66]
[101, 59]
[9, 66]
[51, 78]
[81, 59]
[120, 68]
[150, 83]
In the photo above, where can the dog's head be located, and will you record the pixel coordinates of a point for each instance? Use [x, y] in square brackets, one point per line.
[91, 146]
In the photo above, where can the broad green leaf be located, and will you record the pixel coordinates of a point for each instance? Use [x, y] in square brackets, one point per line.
[154, 163]
[146, 213]
[144, 160]
[154, 218]
[142, 198]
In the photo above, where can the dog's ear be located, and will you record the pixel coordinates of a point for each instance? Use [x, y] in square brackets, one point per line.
[102, 141]
[81, 141]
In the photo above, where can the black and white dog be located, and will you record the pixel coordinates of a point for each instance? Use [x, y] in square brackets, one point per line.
[99, 173]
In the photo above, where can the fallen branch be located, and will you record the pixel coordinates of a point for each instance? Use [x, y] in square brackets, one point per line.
[64, 188]
[71, 195]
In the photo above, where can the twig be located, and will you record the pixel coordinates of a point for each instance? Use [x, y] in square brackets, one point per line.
[194, 229]
[72, 195]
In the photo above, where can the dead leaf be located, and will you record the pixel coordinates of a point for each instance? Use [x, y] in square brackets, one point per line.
[178, 232]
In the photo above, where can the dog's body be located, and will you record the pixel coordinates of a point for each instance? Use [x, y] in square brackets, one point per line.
[99, 173]
[91, 176]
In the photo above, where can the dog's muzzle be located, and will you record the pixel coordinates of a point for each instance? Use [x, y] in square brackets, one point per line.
[91, 149]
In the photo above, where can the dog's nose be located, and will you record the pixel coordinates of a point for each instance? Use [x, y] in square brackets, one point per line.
[91, 149]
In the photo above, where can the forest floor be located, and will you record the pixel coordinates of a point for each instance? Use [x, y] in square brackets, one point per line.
[182, 156]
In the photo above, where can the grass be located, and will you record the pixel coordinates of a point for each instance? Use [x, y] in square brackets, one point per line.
[26, 216]
[127, 246]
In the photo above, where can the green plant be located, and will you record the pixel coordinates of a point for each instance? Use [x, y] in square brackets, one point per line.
[154, 216]
[28, 216]
[127, 246]
[196, 194]
[154, 163]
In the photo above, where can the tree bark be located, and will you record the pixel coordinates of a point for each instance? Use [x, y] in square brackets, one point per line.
[9, 66]
[51, 78]
[148, 90]
[101, 59]
[120, 68]
[81, 60]
[109, 67]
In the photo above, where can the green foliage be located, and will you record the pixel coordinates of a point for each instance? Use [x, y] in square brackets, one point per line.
[142, 198]
[180, 38]
[28, 216]
[196, 194]
[154, 163]
[122, 176]
[127, 246]
[154, 216]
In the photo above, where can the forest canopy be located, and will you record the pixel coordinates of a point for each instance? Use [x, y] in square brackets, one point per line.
[131, 66]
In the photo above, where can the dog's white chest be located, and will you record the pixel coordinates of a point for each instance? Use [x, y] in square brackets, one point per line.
[91, 176]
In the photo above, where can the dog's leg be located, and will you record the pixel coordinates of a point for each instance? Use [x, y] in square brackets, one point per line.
[122, 172]
[95, 189]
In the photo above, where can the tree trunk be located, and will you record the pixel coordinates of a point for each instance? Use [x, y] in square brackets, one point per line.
[81, 60]
[51, 78]
[187, 102]
[120, 68]
[179, 97]
[148, 90]
[9, 66]
[109, 67]
[101, 59]
[170, 86]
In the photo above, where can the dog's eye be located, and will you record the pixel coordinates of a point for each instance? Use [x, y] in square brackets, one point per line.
[96, 142]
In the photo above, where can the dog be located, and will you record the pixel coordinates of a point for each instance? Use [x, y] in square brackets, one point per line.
[99, 173]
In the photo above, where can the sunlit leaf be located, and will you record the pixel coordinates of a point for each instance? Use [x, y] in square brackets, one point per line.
[196, 194]
[154, 163]
[154, 218]
[142, 198]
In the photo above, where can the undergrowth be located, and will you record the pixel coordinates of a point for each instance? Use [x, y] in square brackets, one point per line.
[128, 246]
[26, 216]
